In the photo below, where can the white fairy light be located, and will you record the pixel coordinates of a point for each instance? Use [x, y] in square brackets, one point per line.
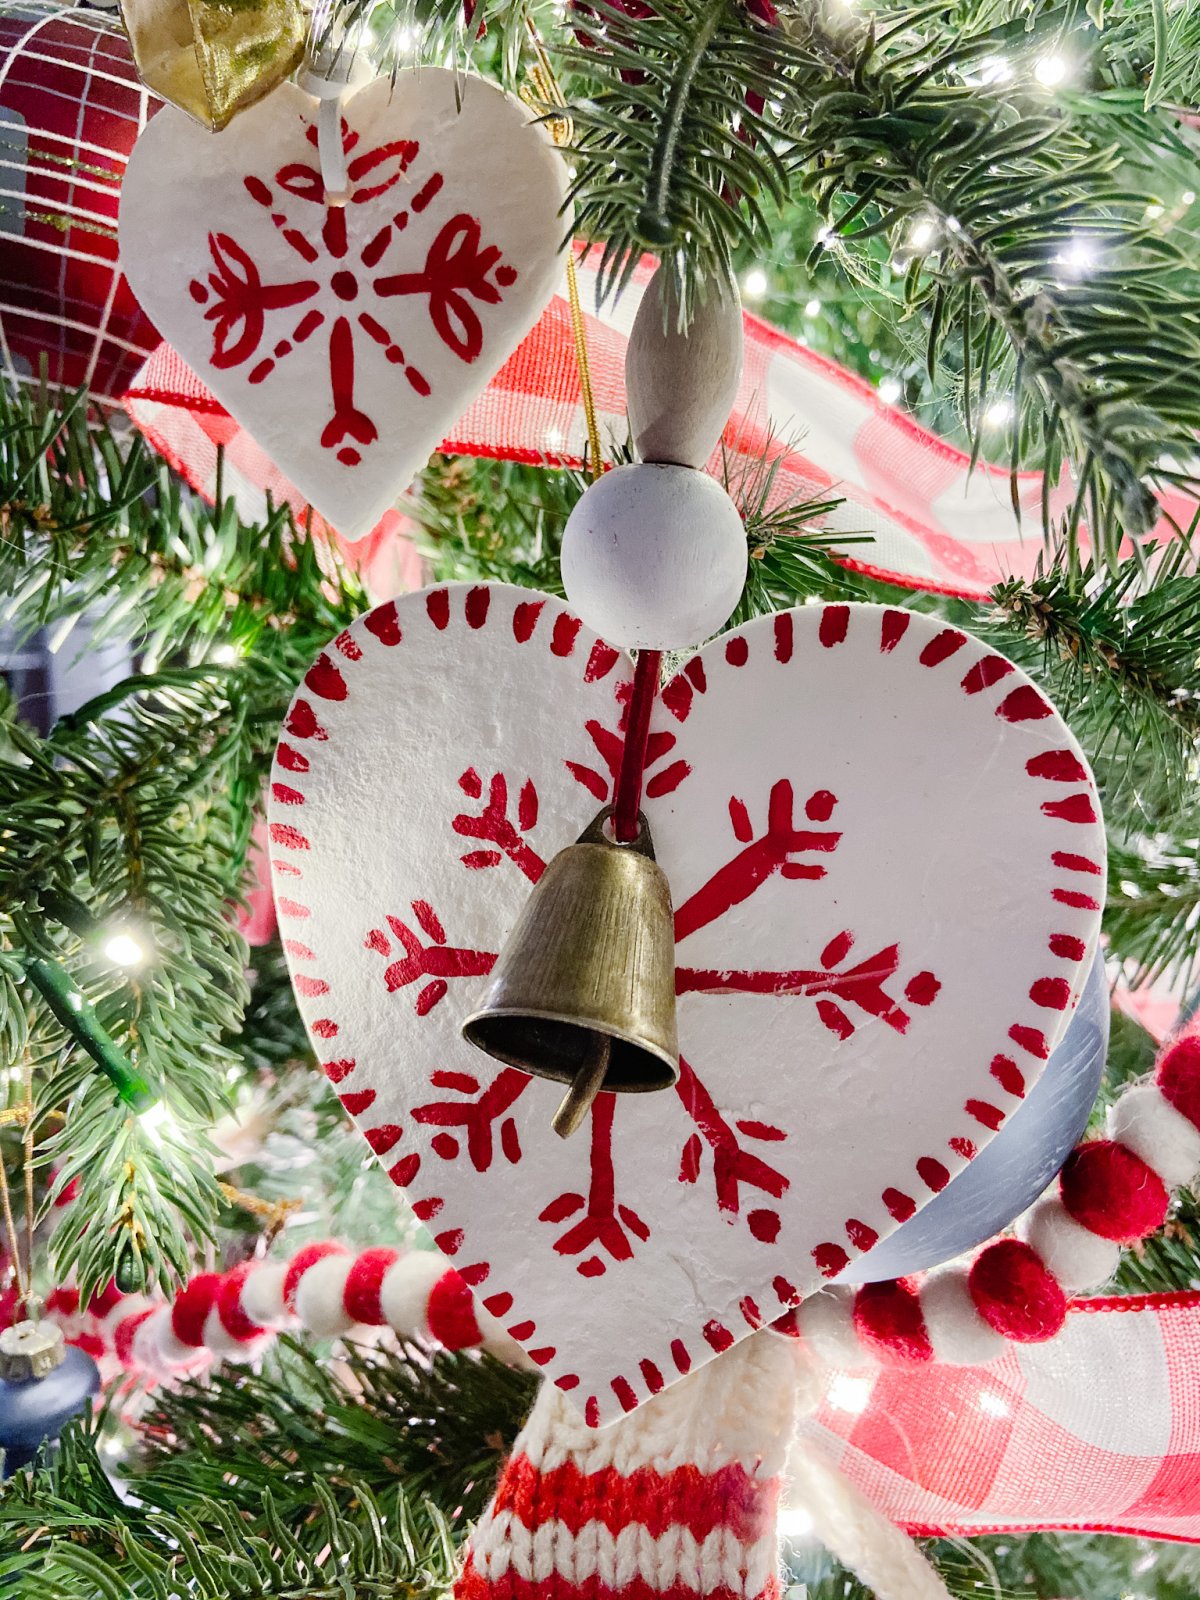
[995, 69]
[1154, 210]
[998, 413]
[1079, 255]
[795, 1522]
[1188, 197]
[923, 233]
[755, 284]
[123, 950]
[848, 1393]
[812, 308]
[890, 390]
[159, 1121]
[1051, 70]
[994, 1404]
[224, 655]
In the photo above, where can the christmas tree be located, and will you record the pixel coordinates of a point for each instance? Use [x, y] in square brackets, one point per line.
[972, 232]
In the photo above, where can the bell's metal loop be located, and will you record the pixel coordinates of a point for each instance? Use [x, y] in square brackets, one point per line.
[583, 991]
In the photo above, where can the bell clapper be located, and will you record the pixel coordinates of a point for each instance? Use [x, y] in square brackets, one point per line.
[585, 1086]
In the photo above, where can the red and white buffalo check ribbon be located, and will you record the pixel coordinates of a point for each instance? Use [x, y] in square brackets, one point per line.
[933, 524]
[1097, 1429]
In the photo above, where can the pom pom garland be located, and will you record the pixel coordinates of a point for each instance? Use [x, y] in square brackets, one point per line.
[1111, 1190]
[230, 1316]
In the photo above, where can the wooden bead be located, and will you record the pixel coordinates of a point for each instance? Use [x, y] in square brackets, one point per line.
[654, 557]
[680, 385]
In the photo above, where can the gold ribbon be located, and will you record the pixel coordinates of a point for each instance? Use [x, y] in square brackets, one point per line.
[212, 58]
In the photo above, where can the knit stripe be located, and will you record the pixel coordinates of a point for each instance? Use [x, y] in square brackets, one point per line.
[503, 1547]
[473, 1585]
[686, 1498]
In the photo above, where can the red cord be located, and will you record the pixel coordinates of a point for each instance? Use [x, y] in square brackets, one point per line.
[633, 757]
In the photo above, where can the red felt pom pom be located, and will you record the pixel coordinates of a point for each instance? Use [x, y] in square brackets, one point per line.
[363, 1283]
[451, 1313]
[1178, 1078]
[888, 1320]
[124, 1332]
[229, 1305]
[300, 1263]
[1112, 1192]
[192, 1305]
[1015, 1294]
[105, 1299]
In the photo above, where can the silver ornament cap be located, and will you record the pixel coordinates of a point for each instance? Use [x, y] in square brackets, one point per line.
[30, 1350]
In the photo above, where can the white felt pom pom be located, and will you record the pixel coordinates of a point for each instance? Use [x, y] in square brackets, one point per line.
[147, 1351]
[404, 1293]
[1078, 1258]
[826, 1324]
[172, 1354]
[654, 557]
[221, 1343]
[319, 1297]
[957, 1332]
[1149, 1125]
[262, 1295]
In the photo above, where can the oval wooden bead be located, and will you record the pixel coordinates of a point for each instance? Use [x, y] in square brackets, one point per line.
[680, 385]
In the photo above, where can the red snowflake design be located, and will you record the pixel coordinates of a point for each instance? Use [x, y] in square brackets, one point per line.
[793, 846]
[253, 321]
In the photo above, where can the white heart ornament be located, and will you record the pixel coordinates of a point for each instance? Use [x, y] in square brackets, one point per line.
[348, 339]
[887, 865]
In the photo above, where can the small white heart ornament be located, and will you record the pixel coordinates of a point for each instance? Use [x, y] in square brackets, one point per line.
[887, 865]
[348, 339]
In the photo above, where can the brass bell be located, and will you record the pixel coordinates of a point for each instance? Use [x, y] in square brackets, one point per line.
[584, 989]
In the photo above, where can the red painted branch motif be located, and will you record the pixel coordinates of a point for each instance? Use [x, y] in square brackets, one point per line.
[476, 1117]
[239, 311]
[861, 986]
[494, 826]
[455, 267]
[605, 1222]
[432, 959]
[732, 1164]
[760, 858]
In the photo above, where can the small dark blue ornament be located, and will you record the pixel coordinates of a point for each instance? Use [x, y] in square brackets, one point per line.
[1011, 1171]
[43, 1382]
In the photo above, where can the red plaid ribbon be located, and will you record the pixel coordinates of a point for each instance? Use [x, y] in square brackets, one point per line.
[1098, 1430]
[934, 525]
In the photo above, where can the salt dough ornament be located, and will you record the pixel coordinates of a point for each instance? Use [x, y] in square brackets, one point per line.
[348, 339]
[887, 863]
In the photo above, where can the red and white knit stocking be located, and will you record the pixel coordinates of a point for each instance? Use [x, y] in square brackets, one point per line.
[677, 1500]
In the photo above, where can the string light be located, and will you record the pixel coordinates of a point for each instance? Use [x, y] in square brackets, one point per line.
[1051, 70]
[1079, 255]
[224, 655]
[923, 234]
[123, 950]
[848, 1393]
[998, 413]
[795, 1522]
[754, 284]
[890, 390]
[159, 1122]
[994, 1404]
[812, 308]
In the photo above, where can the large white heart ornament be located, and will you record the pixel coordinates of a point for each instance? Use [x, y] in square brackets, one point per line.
[348, 339]
[887, 865]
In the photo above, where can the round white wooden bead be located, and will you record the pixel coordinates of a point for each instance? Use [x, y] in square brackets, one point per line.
[680, 385]
[1078, 1258]
[1148, 1124]
[959, 1335]
[654, 557]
